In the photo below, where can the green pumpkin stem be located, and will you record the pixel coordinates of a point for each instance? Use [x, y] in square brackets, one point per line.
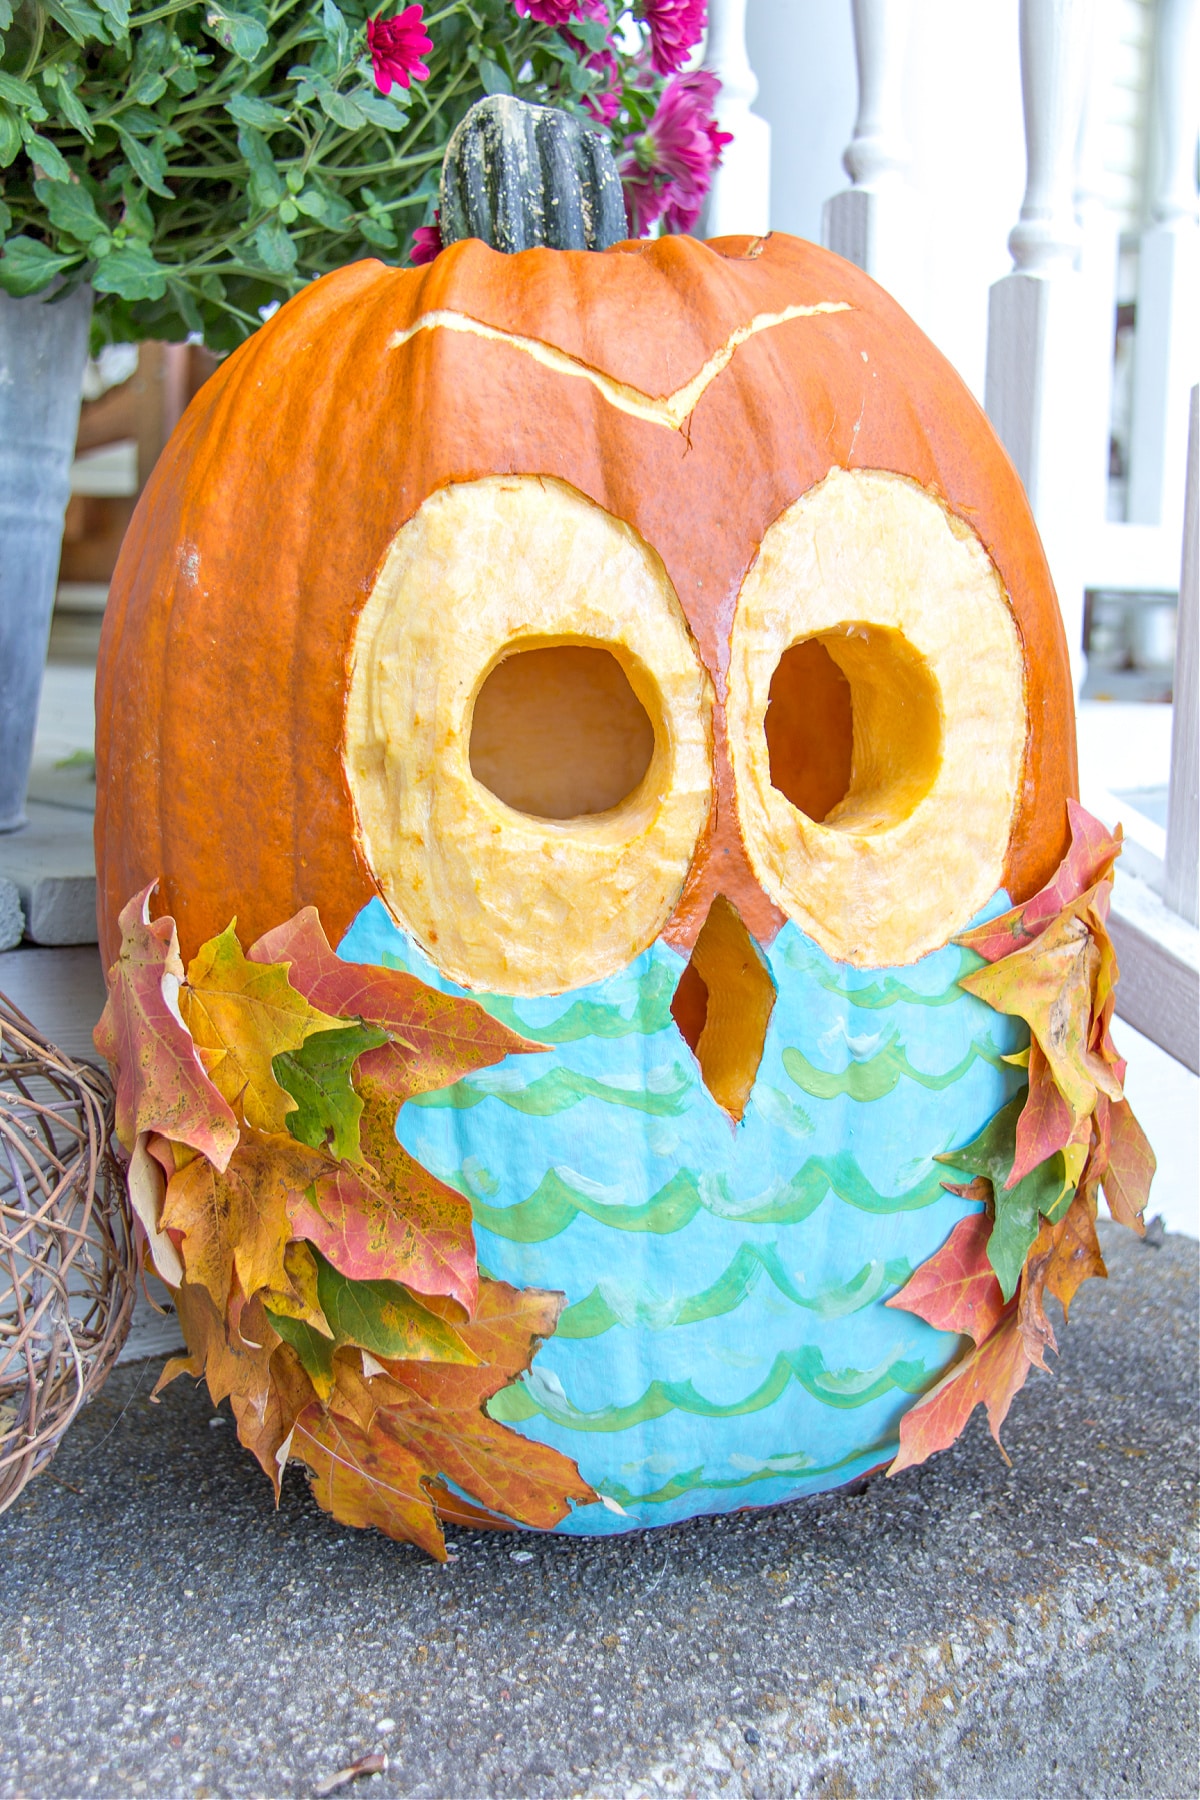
[519, 175]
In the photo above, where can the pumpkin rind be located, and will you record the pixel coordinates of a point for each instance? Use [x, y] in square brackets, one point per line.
[219, 746]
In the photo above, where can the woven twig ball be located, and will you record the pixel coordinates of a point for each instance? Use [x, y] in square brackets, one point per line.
[67, 1249]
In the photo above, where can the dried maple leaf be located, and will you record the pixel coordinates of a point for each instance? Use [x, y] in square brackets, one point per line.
[391, 1219]
[242, 1015]
[1046, 1125]
[1129, 1163]
[438, 1037]
[235, 1364]
[452, 1509]
[990, 1375]
[150, 1168]
[367, 1478]
[956, 1288]
[386, 1444]
[240, 1219]
[1050, 985]
[381, 1317]
[264, 1423]
[1090, 859]
[300, 1298]
[1063, 1257]
[161, 1082]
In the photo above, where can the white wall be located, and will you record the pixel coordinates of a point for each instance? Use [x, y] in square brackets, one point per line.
[962, 108]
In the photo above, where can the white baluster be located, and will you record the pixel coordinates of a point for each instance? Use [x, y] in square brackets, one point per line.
[872, 222]
[1183, 806]
[739, 200]
[1037, 377]
[1165, 358]
[1099, 229]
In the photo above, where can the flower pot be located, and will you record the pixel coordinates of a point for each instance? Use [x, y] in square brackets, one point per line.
[43, 348]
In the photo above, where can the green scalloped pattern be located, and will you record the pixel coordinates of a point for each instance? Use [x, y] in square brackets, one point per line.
[596, 1019]
[560, 1089]
[873, 996]
[877, 1075]
[600, 1312]
[776, 1468]
[841, 1388]
[556, 1203]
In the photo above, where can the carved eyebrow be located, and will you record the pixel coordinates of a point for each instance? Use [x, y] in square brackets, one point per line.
[672, 410]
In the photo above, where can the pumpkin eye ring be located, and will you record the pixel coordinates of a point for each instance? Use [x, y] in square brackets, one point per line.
[500, 898]
[920, 661]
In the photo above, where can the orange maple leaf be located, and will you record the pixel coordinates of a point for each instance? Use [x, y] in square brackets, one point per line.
[438, 1037]
[235, 1364]
[240, 1219]
[1046, 1124]
[241, 1016]
[1062, 1258]
[1125, 1162]
[956, 1288]
[386, 1443]
[990, 1375]
[1050, 984]
[1090, 860]
[162, 1085]
[390, 1219]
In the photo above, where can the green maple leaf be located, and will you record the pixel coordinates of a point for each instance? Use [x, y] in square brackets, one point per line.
[380, 1317]
[317, 1076]
[1044, 1193]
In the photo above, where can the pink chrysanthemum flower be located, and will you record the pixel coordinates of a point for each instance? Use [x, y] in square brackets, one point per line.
[549, 12]
[676, 27]
[427, 242]
[669, 171]
[397, 46]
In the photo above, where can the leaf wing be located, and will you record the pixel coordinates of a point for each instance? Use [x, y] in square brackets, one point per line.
[162, 1085]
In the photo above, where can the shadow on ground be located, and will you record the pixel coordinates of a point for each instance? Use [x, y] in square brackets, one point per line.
[963, 1630]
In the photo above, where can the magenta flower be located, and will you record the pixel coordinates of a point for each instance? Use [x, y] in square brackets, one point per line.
[427, 242]
[676, 27]
[669, 171]
[549, 12]
[397, 46]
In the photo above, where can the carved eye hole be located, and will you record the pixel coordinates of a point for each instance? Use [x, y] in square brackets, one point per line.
[528, 736]
[876, 718]
[559, 733]
[854, 727]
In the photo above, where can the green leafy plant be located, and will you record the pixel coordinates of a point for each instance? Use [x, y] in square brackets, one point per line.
[197, 163]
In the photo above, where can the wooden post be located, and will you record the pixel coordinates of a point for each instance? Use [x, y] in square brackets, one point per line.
[1166, 350]
[1037, 316]
[740, 197]
[1183, 809]
[872, 223]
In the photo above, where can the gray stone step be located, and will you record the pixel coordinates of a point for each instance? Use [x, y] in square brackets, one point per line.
[965, 1630]
[52, 865]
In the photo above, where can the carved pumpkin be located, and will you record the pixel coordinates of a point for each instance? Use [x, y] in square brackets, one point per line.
[657, 646]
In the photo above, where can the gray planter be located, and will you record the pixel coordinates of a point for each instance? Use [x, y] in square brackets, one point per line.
[43, 348]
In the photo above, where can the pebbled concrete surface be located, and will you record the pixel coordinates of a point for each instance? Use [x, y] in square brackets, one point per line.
[964, 1630]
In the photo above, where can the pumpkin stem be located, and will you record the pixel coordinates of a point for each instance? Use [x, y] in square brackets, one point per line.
[519, 175]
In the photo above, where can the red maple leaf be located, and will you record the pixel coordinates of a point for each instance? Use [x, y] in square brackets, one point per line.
[956, 1289]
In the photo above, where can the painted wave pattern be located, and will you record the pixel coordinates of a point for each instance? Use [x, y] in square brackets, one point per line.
[726, 1340]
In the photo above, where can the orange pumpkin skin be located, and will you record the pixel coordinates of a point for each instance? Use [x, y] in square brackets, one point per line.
[224, 665]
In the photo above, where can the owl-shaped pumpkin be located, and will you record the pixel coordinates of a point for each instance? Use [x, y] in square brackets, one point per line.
[654, 646]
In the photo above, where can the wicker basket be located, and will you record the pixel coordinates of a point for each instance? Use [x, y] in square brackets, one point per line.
[68, 1256]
